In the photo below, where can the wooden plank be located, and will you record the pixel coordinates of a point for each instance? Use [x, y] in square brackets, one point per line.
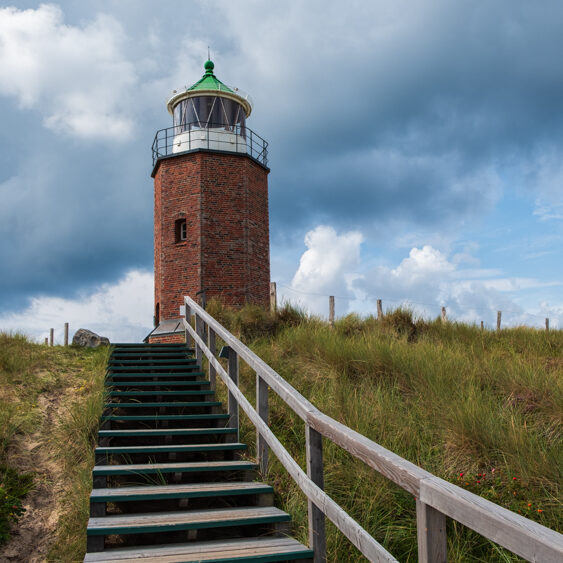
[232, 402]
[514, 532]
[170, 448]
[213, 350]
[431, 534]
[221, 550]
[191, 405]
[164, 432]
[315, 472]
[180, 520]
[149, 468]
[157, 417]
[262, 409]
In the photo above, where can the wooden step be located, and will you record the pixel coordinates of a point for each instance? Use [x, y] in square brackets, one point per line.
[159, 417]
[177, 404]
[255, 550]
[127, 375]
[142, 394]
[184, 520]
[155, 362]
[154, 383]
[189, 490]
[165, 432]
[169, 448]
[151, 468]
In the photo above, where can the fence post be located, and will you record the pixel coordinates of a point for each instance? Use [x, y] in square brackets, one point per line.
[46, 341]
[379, 310]
[431, 534]
[66, 334]
[212, 348]
[444, 316]
[262, 408]
[331, 310]
[317, 535]
[52, 337]
[482, 325]
[200, 331]
[547, 324]
[188, 313]
[273, 297]
[499, 317]
[232, 402]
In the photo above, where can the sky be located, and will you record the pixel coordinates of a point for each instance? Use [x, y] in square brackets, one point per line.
[416, 153]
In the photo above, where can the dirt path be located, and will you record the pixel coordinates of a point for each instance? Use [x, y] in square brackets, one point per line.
[35, 530]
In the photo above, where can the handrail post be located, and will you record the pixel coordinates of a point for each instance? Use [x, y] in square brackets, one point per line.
[262, 449]
[188, 313]
[317, 534]
[431, 534]
[232, 402]
[200, 331]
[212, 347]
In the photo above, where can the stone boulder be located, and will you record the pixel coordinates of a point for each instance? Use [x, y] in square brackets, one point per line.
[88, 339]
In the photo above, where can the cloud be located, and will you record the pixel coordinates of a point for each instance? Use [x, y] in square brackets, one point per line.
[425, 280]
[122, 311]
[77, 78]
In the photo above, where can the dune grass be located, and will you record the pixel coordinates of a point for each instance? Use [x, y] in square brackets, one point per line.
[52, 396]
[481, 409]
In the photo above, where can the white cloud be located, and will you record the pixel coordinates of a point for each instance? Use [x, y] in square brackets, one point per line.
[120, 311]
[425, 281]
[76, 77]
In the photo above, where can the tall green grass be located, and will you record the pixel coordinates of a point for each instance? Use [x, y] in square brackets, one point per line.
[481, 409]
[52, 396]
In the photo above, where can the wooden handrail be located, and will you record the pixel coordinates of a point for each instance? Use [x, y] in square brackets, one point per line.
[436, 498]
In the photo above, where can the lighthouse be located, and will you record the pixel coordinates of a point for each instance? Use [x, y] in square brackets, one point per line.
[211, 222]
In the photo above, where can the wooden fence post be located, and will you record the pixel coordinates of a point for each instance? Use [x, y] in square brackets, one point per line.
[52, 337]
[547, 324]
[262, 409]
[431, 534]
[499, 317]
[379, 310]
[232, 370]
[46, 341]
[273, 297]
[482, 325]
[331, 310]
[315, 472]
[188, 313]
[444, 316]
[200, 331]
[66, 334]
[213, 349]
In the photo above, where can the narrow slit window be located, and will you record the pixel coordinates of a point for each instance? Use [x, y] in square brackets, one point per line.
[180, 230]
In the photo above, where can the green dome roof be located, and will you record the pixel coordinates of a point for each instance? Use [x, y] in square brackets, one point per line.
[209, 81]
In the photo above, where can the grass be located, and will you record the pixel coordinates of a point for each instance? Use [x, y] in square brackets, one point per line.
[53, 397]
[481, 409]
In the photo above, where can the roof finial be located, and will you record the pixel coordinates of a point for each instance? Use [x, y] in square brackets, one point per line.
[208, 55]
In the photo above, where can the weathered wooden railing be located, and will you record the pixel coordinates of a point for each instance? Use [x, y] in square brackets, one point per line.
[436, 499]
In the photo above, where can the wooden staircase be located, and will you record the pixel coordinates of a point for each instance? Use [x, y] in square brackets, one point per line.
[169, 482]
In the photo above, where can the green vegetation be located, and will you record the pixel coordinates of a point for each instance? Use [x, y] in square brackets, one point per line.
[51, 399]
[481, 409]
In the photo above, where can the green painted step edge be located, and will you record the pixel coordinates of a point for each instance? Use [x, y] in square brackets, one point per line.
[182, 494]
[193, 404]
[164, 432]
[152, 393]
[154, 383]
[149, 529]
[157, 417]
[305, 554]
[172, 448]
[101, 470]
[160, 361]
[163, 375]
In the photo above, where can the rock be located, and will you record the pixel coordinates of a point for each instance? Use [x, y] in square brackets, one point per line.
[88, 339]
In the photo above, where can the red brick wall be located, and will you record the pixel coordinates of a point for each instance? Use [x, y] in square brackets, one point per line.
[177, 337]
[224, 198]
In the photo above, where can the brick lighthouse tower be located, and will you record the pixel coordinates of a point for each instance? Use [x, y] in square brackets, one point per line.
[211, 227]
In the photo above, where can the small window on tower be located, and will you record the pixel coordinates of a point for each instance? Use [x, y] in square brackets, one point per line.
[180, 230]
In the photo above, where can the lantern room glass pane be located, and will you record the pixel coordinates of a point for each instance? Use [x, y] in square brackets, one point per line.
[209, 112]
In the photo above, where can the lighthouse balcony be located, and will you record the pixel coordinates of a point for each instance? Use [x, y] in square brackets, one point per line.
[191, 137]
